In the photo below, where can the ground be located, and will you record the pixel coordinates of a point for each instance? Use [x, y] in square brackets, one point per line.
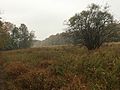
[61, 68]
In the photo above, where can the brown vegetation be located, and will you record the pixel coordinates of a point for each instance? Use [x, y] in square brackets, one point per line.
[61, 68]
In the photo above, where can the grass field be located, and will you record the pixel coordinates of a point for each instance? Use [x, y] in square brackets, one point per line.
[61, 68]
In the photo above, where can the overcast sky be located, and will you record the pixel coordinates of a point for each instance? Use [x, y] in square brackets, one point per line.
[46, 17]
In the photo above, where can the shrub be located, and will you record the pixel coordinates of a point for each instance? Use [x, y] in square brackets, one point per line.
[39, 80]
[15, 69]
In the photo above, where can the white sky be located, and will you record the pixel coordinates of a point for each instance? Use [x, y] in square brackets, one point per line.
[46, 17]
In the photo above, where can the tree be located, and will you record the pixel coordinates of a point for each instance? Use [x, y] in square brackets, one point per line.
[63, 38]
[20, 37]
[94, 26]
[12, 37]
[26, 37]
[13, 42]
[4, 36]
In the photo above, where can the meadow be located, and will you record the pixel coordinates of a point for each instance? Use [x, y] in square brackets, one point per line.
[61, 68]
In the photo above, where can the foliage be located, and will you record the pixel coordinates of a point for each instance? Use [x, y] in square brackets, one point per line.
[61, 68]
[20, 38]
[12, 37]
[58, 39]
[25, 38]
[4, 36]
[95, 26]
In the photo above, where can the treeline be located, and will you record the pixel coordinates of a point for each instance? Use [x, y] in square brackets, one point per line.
[13, 37]
[91, 28]
[58, 39]
[64, 38]
[67, 38]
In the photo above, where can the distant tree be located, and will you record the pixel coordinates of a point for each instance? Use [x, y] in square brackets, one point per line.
[13, 42]
[26, 37]
[63, 38]
[4, 36]
[12, 37]
[20, 37]
[94, 26]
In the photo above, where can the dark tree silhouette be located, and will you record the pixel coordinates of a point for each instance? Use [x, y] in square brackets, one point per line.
[95, 25]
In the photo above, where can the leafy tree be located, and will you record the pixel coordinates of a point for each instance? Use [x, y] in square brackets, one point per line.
[12, 37]
[4, 36]
[94, 26]
[26, 38]
[13, 42]
[20, 37]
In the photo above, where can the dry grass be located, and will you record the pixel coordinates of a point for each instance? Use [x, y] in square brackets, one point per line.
[61, 68]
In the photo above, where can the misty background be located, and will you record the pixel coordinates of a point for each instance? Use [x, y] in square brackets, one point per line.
[46, 17]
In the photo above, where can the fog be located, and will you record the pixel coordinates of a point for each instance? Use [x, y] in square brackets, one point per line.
[46, 17]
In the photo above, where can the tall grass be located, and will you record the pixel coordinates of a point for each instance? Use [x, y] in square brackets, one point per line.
[61, 68]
